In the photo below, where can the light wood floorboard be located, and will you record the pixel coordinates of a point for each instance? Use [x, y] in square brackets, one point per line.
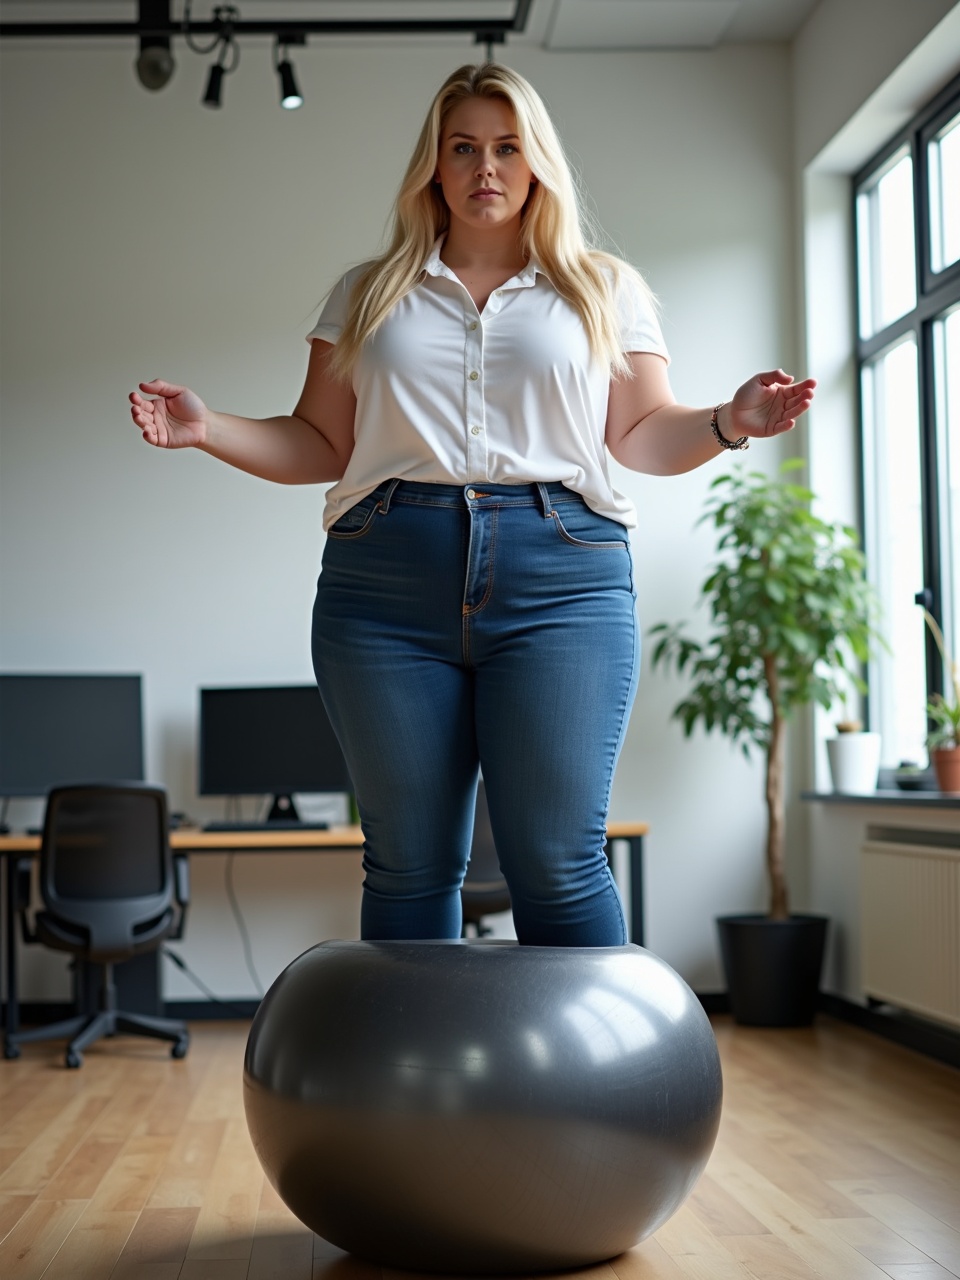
[838, 1159]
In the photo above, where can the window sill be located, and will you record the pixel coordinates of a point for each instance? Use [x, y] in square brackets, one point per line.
[901, 799]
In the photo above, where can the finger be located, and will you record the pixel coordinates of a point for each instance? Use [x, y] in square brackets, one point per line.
[775, 377]
[792, 403]
[791, 389]
[791, 412]
[788, 420]
[160, 387]
[148, 431]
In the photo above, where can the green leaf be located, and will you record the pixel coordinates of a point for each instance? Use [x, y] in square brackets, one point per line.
[785, 583]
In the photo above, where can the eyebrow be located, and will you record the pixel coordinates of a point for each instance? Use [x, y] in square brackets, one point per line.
[504, 137]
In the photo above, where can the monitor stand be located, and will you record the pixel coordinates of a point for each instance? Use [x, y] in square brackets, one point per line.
[283, 810]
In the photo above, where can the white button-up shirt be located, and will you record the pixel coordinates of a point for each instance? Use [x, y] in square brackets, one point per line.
[510, 395]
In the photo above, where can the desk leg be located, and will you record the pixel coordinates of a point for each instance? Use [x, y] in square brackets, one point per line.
[634, 907]
[11, 1023]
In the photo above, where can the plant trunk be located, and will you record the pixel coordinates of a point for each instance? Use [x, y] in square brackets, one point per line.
[776, 870]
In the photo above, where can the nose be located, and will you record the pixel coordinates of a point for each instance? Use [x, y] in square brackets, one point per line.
[485, 163]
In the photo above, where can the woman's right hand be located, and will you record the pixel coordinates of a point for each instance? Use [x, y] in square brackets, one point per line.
[174, 418]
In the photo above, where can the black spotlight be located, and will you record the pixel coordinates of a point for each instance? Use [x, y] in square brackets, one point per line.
[155, 64]
[228, 61]
[290, 95]
[214, 82]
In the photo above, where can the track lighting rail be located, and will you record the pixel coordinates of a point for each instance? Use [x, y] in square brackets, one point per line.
[483, 29]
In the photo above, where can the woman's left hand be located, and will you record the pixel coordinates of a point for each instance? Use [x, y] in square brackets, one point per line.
[768, 405]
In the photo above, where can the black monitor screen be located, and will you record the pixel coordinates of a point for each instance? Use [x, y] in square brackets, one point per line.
[262, 741]
[63, 729]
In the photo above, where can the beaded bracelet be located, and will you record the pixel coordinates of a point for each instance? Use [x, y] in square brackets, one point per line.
[722, 441]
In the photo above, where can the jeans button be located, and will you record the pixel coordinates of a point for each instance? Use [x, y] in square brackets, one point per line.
[471, 493]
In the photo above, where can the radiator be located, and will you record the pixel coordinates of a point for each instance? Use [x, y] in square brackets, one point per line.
[910, 927]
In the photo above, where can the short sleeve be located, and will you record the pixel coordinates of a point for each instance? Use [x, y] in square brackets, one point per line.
[639, 326]
[333, 317]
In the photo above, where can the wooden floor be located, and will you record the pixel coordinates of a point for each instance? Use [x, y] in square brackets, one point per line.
[838, 1157]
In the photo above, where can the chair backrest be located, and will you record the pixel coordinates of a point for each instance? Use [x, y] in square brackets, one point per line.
[484, 890]
[105, 865]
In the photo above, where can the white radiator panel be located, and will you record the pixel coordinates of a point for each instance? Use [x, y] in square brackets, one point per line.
[911, 922]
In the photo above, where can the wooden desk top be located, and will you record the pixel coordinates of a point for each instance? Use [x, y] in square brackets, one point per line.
[196, 840]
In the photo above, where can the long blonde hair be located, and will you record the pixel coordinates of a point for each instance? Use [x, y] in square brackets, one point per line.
[554, 228]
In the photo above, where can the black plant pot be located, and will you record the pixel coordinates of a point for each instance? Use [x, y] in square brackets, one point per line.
[772, 968]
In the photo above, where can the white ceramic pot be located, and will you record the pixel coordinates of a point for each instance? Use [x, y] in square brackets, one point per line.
[854, 762]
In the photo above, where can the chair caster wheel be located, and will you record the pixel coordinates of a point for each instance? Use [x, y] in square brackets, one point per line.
[179, 1050]
[73, 1059]
[11, 1052]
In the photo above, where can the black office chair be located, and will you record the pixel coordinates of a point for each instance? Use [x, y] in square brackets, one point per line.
[111, 889]
[484, 891]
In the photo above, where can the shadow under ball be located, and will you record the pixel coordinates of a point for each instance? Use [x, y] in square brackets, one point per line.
[481, 1106]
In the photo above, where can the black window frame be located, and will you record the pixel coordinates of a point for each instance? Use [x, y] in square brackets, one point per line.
[937, 292]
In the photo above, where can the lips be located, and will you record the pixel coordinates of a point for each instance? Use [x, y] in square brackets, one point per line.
[483, 192]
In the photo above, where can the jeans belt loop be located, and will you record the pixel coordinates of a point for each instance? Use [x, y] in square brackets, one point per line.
[545, 500]
[385, 500]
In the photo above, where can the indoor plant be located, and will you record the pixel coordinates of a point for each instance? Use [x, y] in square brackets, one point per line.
[854, 757]
[943, 741]
[793, 621]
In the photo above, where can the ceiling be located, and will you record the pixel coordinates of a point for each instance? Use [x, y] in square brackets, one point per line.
[556, 25]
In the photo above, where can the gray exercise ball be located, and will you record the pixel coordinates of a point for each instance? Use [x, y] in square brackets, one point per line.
[481, 1106]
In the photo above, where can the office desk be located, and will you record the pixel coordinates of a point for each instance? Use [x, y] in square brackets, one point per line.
[197, 842]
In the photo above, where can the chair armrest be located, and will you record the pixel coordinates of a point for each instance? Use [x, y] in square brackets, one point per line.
[22, 884]
[181, 883]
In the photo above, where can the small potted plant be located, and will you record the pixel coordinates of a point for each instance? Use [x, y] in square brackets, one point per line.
[943, 741]
[793, 622]
[853, 755]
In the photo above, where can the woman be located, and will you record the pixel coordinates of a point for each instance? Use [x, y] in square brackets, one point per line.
[475, 606]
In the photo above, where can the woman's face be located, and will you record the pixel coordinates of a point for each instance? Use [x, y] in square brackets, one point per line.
[484, 178]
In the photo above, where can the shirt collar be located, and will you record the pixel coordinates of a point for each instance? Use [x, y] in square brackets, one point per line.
[434, 267]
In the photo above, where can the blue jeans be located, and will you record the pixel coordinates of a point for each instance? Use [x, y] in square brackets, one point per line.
[459, 629]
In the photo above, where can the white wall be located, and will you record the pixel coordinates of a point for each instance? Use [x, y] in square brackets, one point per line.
[844, 110]
[145, 235]
[844, 52]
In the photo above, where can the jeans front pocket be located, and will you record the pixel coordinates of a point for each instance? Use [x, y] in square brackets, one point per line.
[582, 527]
[357, 521]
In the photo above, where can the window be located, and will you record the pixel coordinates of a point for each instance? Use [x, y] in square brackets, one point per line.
[908, 293]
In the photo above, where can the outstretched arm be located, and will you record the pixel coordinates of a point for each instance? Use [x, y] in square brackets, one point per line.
[648, 431]
[310, 446]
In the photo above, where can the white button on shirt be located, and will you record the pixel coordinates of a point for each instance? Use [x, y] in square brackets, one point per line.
[511, 395]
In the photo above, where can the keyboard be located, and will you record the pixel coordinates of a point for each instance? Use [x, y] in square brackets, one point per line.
[283, 824]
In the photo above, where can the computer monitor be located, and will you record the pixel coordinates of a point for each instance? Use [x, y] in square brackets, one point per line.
[57, 729]
[268, 741]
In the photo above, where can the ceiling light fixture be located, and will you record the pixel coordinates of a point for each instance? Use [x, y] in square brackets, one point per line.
[290, 95]
[490, 38]
[227, 15]
[211, 97]
[155, 64]
[155, 29]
